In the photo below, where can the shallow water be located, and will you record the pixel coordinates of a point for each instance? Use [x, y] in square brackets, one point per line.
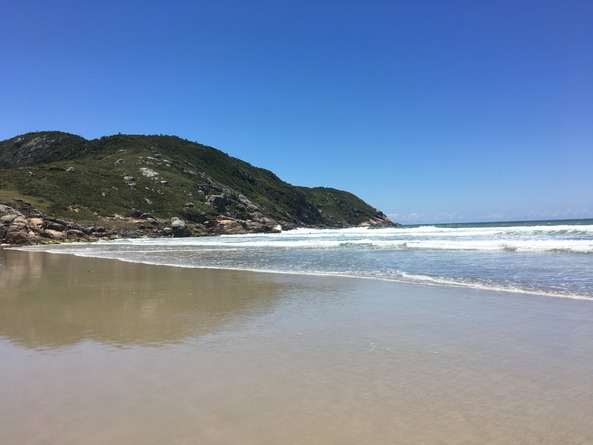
[96, 351]
[548, 258]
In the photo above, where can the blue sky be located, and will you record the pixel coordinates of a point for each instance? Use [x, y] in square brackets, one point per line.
[432, 111]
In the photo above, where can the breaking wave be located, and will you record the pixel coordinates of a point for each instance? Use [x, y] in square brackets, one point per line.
[547, 259]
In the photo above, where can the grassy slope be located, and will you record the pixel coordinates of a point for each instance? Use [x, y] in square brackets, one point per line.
[33, 168]
[338, 207]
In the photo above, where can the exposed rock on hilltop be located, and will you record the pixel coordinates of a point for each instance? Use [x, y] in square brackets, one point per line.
[56, 186]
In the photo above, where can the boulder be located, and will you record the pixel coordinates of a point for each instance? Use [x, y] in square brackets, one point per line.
[54, 224]
[19, 232]
[53, 234]
[74, 233]
[219, 202]
[261, 224]
[36, 223]
[7, 219]
[230, 226]
[178, 228]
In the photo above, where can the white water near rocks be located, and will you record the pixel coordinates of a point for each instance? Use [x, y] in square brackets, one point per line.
[553, 258]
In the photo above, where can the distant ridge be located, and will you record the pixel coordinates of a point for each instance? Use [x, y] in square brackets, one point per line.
[135, 185]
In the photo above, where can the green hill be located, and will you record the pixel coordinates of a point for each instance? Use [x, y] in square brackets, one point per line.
[125, 178]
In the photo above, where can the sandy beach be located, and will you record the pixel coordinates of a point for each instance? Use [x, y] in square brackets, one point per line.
[96, 351]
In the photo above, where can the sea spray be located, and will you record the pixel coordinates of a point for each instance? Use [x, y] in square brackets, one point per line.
[552, 258]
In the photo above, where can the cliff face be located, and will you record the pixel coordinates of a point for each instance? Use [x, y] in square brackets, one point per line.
[129, 185]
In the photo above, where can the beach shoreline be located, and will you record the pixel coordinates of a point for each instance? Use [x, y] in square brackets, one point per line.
[550, 260]
[98, 350]
[426, 281]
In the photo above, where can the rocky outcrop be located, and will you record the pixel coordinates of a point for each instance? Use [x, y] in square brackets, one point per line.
[380, 220]
[32, 227]
[26, 150]
[17, 228]
[219, 202]
[224, 225]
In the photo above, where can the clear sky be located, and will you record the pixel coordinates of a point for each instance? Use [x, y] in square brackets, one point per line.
[430, 110]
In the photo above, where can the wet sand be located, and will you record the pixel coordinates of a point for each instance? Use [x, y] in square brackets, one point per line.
[99, 351]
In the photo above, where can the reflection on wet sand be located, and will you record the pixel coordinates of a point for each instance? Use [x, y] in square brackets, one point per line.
[55, 300]
[96, 352]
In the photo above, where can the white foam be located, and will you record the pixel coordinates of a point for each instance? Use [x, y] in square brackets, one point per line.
[375, 253]
[397, 276]
[527, 239]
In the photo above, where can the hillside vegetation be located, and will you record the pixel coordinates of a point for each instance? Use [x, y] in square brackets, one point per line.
[134, 177]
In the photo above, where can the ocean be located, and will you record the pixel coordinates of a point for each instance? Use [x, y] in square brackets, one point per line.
[551, 258]
[547, 258]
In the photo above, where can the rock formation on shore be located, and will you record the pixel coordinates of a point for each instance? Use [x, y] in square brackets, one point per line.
[56, 187]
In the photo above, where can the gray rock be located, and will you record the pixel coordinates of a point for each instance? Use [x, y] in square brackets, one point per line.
[219, 202]
[56, 225]
[18, 232]
[74, 233]
[7, 219]
[178, 228]
[96, 229]
[71, 170]
[7, 209]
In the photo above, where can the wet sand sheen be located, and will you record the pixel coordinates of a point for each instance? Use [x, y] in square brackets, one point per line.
[98, 351]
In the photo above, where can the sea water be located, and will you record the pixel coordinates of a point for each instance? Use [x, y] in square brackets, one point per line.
[551, 258]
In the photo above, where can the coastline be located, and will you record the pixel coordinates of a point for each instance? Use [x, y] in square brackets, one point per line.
[78, 249]
[100, 350]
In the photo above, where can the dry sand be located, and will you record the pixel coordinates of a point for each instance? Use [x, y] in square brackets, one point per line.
[99, 351]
